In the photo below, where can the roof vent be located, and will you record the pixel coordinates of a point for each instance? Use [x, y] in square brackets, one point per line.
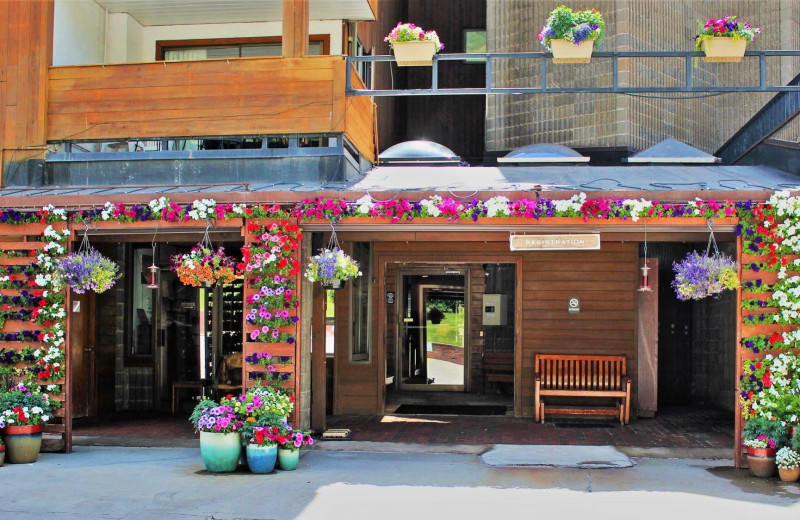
[543, 153]
[671, 151]
[418, 152]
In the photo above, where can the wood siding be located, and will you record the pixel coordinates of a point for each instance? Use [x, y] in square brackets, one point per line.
[241, 96]
[604, 280]
[605, 283]
[26, 43]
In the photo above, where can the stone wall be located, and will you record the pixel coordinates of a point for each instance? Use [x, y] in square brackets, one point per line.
[587, 120]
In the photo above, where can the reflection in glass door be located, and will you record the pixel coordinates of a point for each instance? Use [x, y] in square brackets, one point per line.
[433, 340]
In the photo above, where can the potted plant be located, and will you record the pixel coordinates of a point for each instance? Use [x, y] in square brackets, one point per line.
[724, 39]
[2, 451]
[85, 270]
[332, 267]
[412, 45]
[788, 462]
[289, 444]
[570, 35]
[23, 413]
[761, 437]
[220, 440]
[435, 315]
[701, 275]
[204, 266]
[261, 446]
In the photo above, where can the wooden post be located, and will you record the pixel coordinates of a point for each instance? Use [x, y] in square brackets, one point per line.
[647, 330]
[294, 43]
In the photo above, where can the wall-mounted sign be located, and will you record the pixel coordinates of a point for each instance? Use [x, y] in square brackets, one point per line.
[573, 305]
[390, 298]
[554, 242]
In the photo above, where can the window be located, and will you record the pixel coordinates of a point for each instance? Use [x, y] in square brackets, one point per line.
[141, 318]
[475, 42]
[360, 308]
[173, 50]
[364, 68]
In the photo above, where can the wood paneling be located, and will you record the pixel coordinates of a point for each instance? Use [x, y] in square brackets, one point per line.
[295, 28]
[359, 123]
[26, 43]
[207, 97]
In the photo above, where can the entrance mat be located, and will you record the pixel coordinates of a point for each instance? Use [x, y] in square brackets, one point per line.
[448, 409]
[536, 456]
[586, 424]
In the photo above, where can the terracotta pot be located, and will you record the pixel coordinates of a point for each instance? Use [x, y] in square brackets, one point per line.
[414, 54]
[789, 475]
[763, 467]
[724, 50]
[761, 452]
[567, 52]
[23, 443]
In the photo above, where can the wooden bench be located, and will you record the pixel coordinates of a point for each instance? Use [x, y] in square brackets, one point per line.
[582, 376]
[498, 367]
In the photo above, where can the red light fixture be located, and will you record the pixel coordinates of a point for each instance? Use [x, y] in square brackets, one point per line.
[644, 286]
[154, 268]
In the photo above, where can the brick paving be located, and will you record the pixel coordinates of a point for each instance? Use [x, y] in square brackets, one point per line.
[138, 425]
[672, 428]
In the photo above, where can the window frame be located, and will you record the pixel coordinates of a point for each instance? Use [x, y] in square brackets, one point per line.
[164, 45]
[366, 278]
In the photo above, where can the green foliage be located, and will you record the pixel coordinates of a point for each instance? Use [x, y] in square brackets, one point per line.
[204, 404]
[759, 426]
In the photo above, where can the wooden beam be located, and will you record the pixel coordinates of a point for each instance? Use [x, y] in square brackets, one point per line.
[318, 359]
[295, 28]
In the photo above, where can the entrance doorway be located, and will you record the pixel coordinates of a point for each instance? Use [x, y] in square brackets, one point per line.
[160, 347]
[433, 334]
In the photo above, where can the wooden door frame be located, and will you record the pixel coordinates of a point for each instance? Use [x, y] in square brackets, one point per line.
[381, 259]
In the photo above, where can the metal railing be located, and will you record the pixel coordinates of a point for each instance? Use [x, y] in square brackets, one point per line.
[687, 85]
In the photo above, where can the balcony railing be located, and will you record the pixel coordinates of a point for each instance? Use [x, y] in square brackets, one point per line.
[225, 97]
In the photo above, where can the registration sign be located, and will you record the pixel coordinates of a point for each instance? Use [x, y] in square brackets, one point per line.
[554, 242]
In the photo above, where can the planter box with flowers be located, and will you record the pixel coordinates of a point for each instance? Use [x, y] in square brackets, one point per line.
[412, 45]
[570, 35]
[724, 39]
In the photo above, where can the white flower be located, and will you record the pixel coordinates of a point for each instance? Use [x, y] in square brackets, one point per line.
[497, 206]
[365, 204]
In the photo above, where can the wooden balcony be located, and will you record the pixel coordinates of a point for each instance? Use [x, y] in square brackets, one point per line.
[243, 96]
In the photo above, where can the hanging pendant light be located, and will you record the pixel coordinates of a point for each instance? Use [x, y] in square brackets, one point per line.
[644, 286]
[154, 268]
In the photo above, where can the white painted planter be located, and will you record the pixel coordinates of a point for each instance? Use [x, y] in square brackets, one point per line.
[414, 54]
[724, 50]
[565, 51]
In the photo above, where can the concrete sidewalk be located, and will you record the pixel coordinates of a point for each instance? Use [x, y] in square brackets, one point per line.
[165, 483]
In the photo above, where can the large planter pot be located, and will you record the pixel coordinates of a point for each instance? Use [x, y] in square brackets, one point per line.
[23, 443]
[565, 51]
[414, 54]
[761, 462]
[261, 459]
[723, 50]
[220, 451]
[288, 459]
[789, 475]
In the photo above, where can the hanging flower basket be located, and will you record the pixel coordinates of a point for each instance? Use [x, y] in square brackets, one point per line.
[86, 270]
[412, 45]
[724, 39]
[701, 275]
[570, 35]
[332, 267]
[204, 266]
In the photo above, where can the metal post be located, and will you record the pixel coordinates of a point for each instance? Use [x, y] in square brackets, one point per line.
[689, 72]
[543, 69]
[435, 74]
[488, 74]
[762, 71]
[348, 83]
[615, 73]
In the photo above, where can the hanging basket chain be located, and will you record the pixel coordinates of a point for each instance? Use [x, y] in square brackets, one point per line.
[85, 247]
[333, 243]
[711, 239]
[206, 242]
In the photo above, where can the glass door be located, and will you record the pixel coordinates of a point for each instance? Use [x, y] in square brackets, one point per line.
[433, 346]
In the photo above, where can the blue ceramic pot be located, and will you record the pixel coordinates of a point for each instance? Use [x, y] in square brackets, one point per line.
[220, 451]
[261, 459]
[288, 459]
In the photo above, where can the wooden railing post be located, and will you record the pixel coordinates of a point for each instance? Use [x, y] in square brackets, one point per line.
[295, 28]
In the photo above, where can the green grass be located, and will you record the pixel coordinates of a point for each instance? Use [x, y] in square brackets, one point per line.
[448, 330]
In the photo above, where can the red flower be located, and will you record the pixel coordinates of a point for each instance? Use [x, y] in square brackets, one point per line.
[767, 379]
[775, 338]
[759, 364]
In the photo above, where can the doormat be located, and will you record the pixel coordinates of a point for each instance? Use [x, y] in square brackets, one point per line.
[585, 424]
[445, 409]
